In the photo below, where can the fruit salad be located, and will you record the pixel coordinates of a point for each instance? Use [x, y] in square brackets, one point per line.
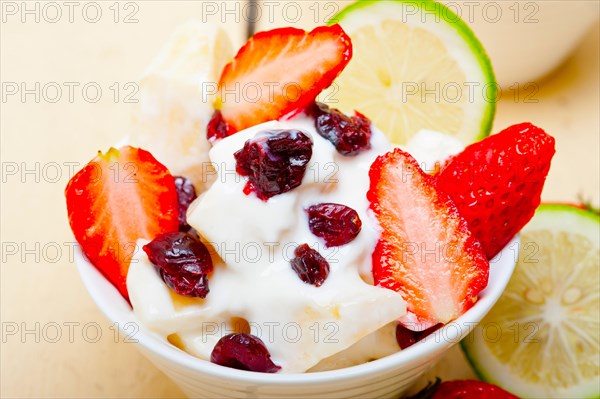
[312, 241]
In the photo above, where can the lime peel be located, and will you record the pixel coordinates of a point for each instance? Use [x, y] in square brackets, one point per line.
[368, 83]
[549, 314]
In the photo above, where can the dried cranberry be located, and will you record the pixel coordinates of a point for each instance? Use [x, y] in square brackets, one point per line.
[274, 161]
[217, 128]
[243, 352]
[183, 262]
[406, 337]
[310, 266]
[349, 135]
[186, 284]
[186, 194]
[337, 224]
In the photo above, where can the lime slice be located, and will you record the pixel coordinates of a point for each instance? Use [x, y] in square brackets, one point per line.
[416, 65]
[541, 340]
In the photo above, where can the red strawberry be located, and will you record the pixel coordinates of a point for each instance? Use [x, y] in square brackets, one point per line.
[463, 389]
[497, 182]
[116, 199]
[426, 251]
[280, 71]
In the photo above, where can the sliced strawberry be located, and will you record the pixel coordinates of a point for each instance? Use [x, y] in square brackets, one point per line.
[463, 389]
[116, 199]
[497, 183]
[426, 251]
[280, 71]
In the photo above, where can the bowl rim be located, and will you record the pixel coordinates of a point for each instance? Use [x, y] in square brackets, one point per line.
[117, 309]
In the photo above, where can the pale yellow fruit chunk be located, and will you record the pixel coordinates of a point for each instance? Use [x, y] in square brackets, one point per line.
[176, 96]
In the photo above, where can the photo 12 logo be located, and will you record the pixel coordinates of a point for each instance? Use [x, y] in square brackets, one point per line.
[470, 11]
[67, 331]
[53, 12]
[291, 12]
[68, 92]
[274, 331]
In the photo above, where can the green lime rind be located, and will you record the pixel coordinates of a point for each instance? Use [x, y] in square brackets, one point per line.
[474, 365]
[463, 30]
[477, 368]
[581, 211]
[590, 221]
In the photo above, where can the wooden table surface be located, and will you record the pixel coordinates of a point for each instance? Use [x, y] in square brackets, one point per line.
[55, 343]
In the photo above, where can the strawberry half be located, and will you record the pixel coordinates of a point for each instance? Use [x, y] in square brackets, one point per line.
[280, 71]
[497, 183]
[463, 389]
[426, 251]
[116, 199]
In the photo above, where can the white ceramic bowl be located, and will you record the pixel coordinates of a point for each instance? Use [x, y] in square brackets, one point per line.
[384, 378]
[527, 39]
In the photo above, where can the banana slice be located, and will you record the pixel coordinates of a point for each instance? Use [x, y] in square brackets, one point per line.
[176, 100]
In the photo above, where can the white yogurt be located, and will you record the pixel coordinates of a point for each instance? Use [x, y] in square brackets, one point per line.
[431, 149]
[254, 240]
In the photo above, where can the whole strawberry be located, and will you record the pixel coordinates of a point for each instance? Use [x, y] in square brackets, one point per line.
[497, 183]
[463, 389]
